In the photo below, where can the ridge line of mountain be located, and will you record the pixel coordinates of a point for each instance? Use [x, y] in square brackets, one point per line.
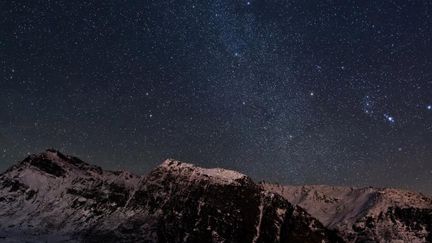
[54, 195]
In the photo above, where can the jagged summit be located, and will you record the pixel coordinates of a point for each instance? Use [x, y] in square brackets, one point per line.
[365, 214]
[217, 175]
[53, 162]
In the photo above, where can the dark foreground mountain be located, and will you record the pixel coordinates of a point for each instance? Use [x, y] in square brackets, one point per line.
[56, 198]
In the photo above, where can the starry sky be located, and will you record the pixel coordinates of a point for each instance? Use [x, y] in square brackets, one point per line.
[299, 92]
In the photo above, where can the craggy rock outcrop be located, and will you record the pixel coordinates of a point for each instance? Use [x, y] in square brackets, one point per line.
[365, 214]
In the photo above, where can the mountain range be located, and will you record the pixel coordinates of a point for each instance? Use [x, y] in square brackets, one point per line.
[52, 197]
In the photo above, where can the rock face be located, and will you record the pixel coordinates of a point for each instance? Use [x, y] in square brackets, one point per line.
[57, 198]
[365, 214]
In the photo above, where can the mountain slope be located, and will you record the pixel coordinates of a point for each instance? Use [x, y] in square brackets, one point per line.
[53, 197]
[365, 214]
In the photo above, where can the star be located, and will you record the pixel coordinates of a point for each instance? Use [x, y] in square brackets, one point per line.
[429, 107]
[390, 118]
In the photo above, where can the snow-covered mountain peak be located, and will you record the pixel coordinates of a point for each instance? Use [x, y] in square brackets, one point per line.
[52, 163]
[51, 173]
[215, 175]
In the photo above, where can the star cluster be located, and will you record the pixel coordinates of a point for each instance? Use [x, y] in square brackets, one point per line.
[288, 91]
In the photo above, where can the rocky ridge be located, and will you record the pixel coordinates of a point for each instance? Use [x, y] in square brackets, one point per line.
[54, 197]
[364, 214]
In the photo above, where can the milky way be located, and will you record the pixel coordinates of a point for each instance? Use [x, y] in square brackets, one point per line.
[288, 91]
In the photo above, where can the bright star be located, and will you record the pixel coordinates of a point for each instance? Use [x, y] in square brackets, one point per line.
[429, 107]
[390, 118]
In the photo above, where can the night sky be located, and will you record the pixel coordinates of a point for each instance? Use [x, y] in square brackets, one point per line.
[299, 92]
